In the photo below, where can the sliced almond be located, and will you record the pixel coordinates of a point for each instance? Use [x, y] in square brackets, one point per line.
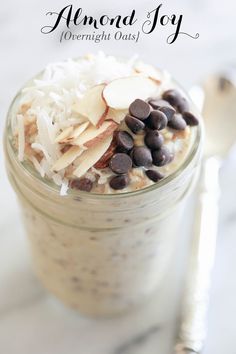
[75, 133]
[120, 93]
[64, 134]
[75, 120]
[92, 136]
[93, 106]
[91, 156]
[67, 158]
[117, 115]
[149, 71]
[103, 162]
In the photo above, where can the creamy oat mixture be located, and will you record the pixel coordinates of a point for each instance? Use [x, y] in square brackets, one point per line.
[103, 125]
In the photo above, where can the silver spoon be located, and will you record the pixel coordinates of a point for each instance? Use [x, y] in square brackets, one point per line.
[218, 101]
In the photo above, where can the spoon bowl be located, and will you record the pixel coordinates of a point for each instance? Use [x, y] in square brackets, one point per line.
[219, 112]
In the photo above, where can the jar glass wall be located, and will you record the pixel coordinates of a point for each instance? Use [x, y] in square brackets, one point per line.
[101, 254]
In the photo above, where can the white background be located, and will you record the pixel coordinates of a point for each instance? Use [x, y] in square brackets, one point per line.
[23, 52]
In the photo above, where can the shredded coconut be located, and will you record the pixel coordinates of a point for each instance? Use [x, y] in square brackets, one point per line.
[64, 187]
[37, 166]
[39, 147]
[104, 175]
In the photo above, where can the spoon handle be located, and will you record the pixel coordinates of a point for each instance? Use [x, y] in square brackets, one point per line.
[193, 327]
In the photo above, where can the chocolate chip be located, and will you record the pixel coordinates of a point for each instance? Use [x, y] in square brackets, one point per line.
[168, 111]
[134, 124]
[157, 120]
[158, 103]
[139, 109]
[177, 122]
[120, 163]
[162, 156]
[154, 176]
[190, 119]
[141, 156]
[119, 182]
[172, 96]
[83, 184]
[183, 105]
[154, 140]
[124, 141]
[176, 100]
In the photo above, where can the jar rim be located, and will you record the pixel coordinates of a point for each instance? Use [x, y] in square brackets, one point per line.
[53, 188]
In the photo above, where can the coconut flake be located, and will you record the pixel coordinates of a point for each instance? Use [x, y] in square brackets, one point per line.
[64, 187]
[55, 97]
[45, 134]
[103, 174]
[90, 176]
[39, 147]
[57, 179]
[170, 145]
[46, 167]
[37, 166]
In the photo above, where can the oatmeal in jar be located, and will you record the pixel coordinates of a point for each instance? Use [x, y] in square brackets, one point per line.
[101, 153]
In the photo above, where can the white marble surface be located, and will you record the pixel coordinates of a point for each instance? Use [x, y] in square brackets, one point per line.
[30, 320]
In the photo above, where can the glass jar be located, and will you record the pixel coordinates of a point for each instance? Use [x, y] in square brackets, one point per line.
[101, 254]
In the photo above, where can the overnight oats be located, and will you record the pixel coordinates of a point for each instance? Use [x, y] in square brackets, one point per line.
[101, 153]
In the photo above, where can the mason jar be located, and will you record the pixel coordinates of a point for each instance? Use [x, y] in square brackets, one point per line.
[101, 254]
